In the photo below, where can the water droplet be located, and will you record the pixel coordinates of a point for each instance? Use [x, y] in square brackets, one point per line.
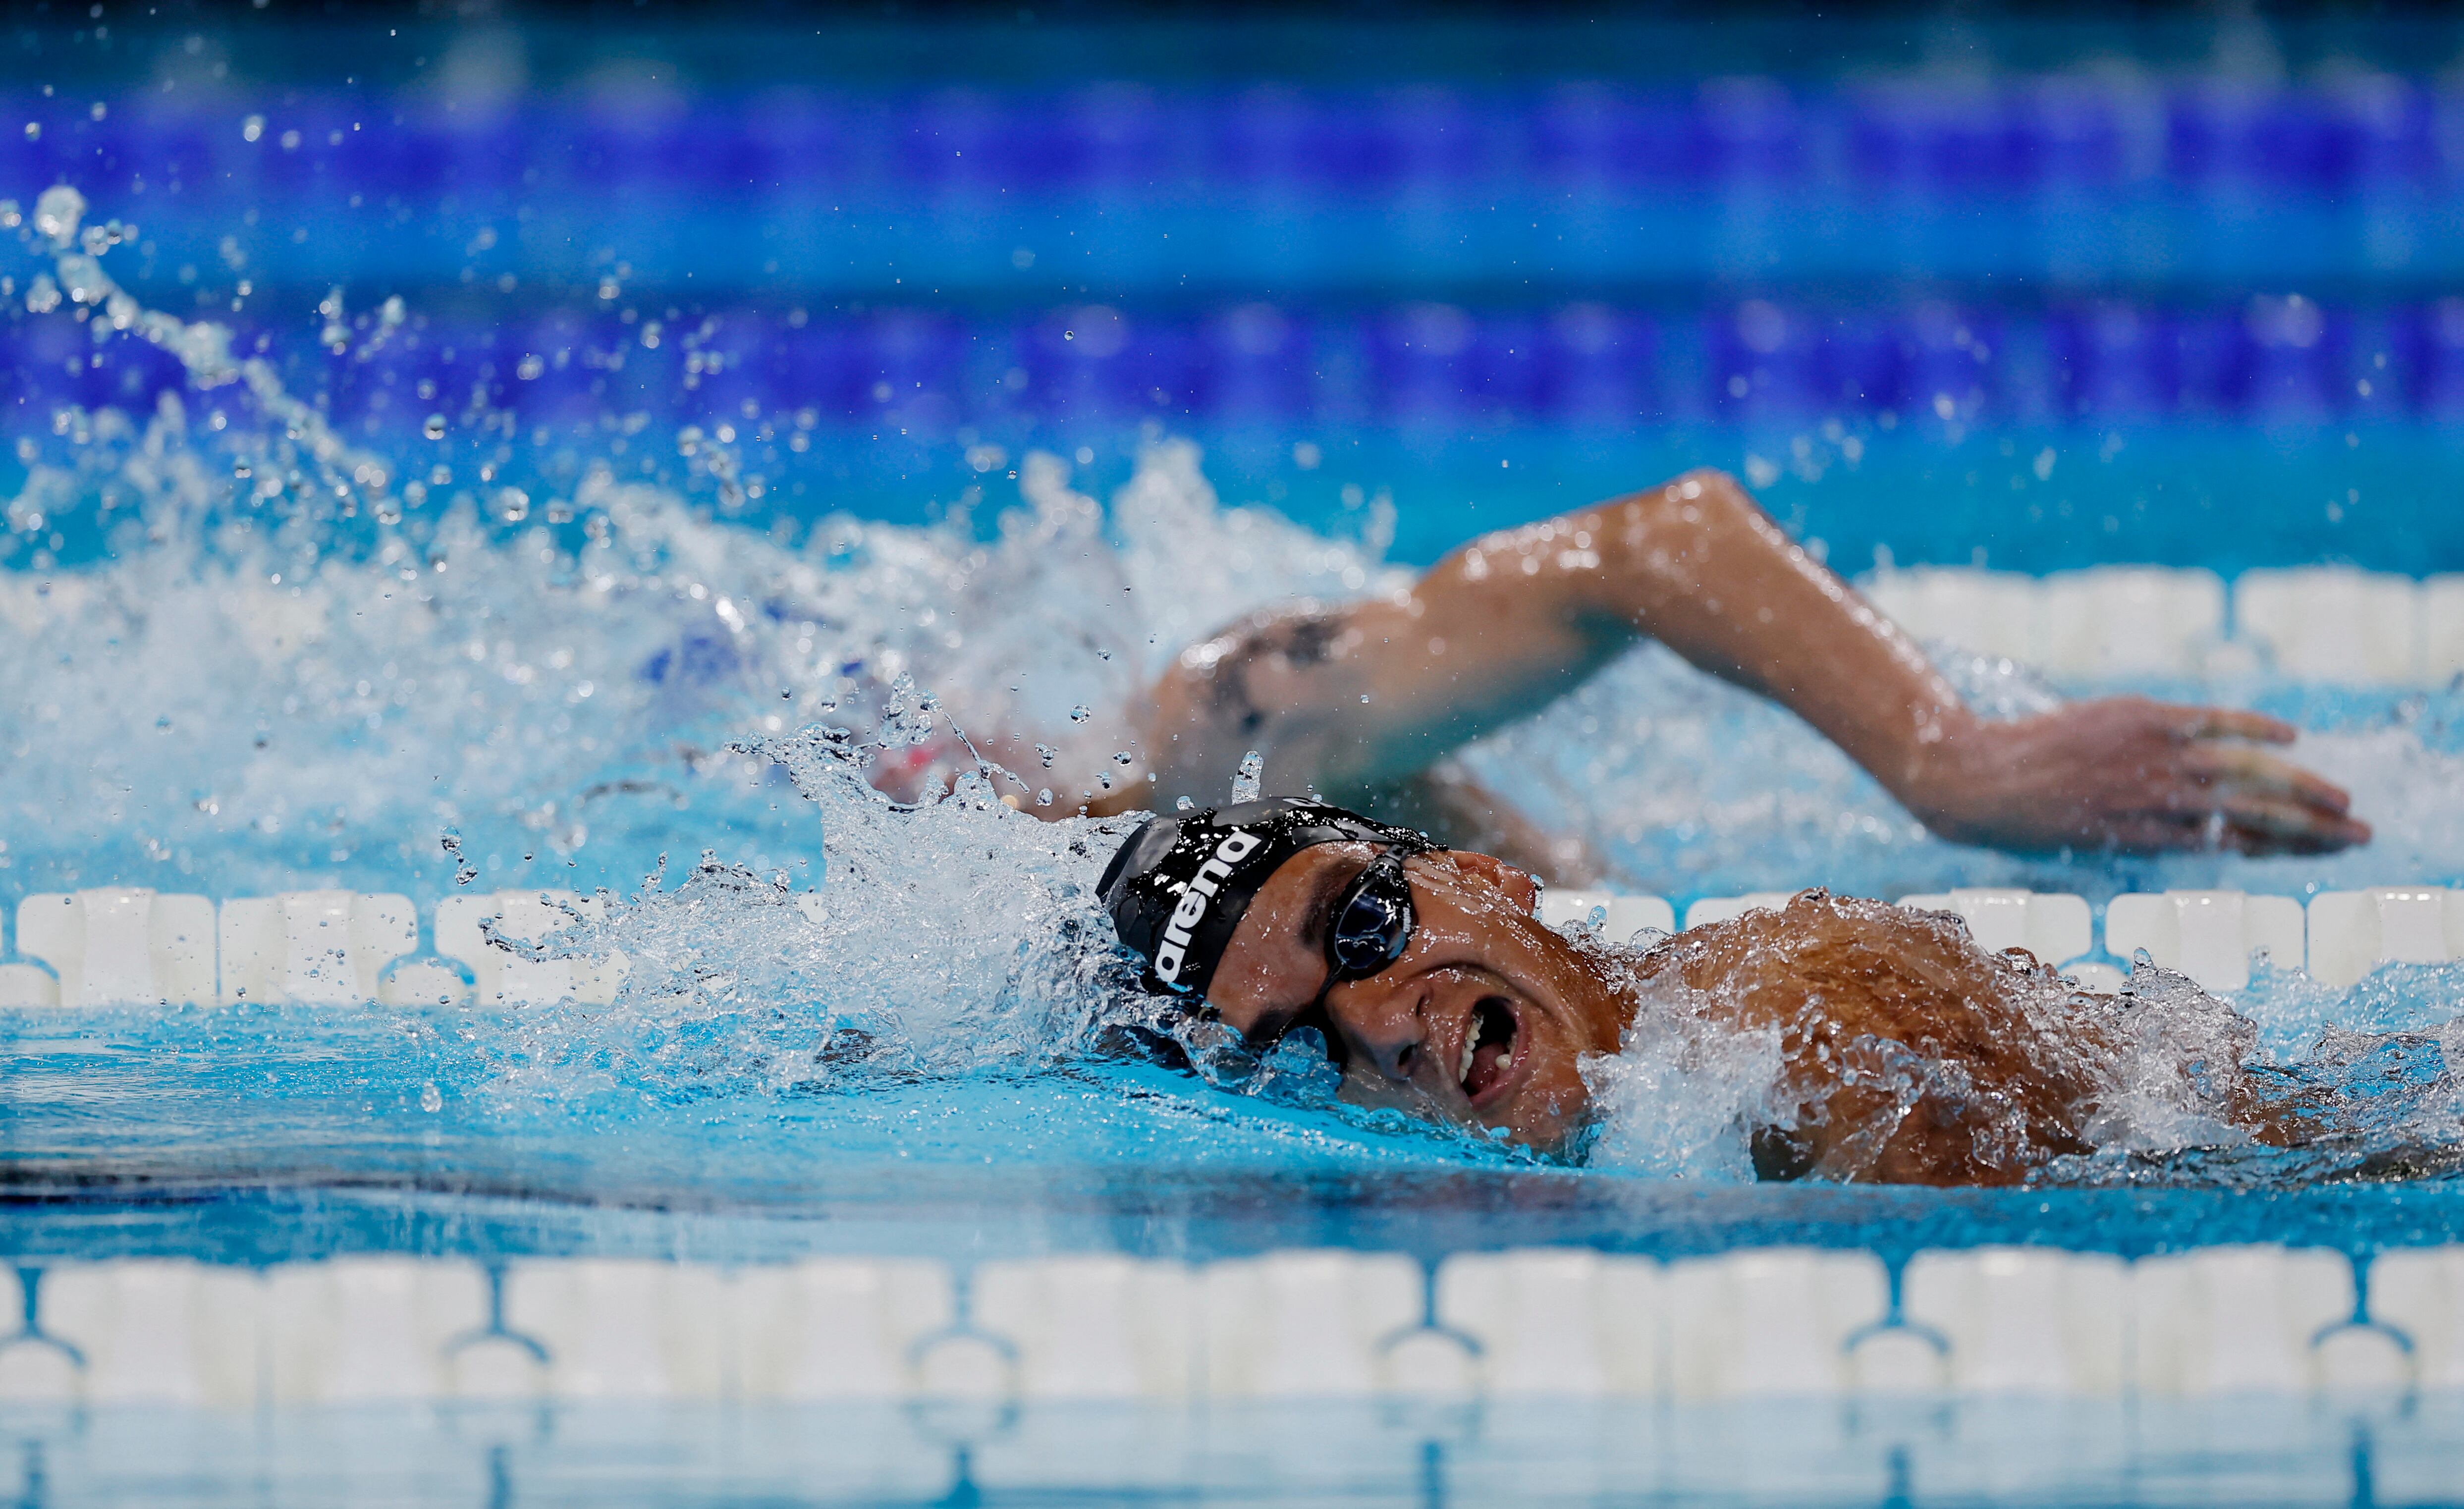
[432, 1100]
[1044, 797]
[57, 211]
[252, 128]
[434, 429]
[1045, 752]
[1123, 755]
[1081, 714]
[1252, 779]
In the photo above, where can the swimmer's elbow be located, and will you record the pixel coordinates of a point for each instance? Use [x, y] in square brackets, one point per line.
[1704, 501]
[1716, 494]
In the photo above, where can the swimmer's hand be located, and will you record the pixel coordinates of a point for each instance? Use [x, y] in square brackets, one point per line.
[2133, 776]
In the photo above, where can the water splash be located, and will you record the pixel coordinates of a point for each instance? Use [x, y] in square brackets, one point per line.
[1756, 1048]
[291, 660]
[1249, 783]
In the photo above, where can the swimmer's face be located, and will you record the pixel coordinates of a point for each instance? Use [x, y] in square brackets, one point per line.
[1481, 1023]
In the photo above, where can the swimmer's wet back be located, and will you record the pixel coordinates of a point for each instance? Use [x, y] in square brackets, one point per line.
[1906, 1054]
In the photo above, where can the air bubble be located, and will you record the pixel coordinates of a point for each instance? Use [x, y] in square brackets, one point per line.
[434, 429]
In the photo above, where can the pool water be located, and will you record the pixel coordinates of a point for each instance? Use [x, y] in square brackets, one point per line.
[483, 464]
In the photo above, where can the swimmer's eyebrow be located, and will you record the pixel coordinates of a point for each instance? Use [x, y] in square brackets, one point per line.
[1323, 887]
[1331, 879]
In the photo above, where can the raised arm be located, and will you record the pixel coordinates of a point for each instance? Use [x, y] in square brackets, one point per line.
[1349, 698]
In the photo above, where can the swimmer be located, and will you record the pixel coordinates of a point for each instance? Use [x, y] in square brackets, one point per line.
[1365, 703]
[1906, 1053]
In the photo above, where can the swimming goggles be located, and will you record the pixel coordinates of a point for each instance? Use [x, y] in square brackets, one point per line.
[1367, 926]
[1370, 924]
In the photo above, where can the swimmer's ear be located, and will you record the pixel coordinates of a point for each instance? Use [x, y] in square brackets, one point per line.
[1519, 887]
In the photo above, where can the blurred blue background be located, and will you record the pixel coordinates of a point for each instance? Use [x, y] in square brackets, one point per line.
[2031, 286]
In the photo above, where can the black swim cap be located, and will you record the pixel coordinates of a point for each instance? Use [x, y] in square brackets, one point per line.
[1179, 884]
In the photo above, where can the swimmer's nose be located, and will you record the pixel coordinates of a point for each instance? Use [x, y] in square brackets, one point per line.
[1382, 1027]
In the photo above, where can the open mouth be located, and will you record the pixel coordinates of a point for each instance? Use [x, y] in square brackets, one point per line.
[1488, 1048]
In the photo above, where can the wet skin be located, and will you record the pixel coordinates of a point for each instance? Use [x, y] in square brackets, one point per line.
[1355, 699]
[2013, 1061]
[1481, 972]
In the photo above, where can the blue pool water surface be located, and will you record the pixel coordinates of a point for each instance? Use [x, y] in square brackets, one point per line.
[601, 407]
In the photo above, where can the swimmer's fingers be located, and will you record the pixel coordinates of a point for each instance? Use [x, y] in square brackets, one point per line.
[2159, 834]
[2274, 825]
[2230, 723]
[2240, 824]
[2240, 769]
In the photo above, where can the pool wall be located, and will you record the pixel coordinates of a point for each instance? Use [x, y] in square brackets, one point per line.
[1420, 1453]
[1332, 1323]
